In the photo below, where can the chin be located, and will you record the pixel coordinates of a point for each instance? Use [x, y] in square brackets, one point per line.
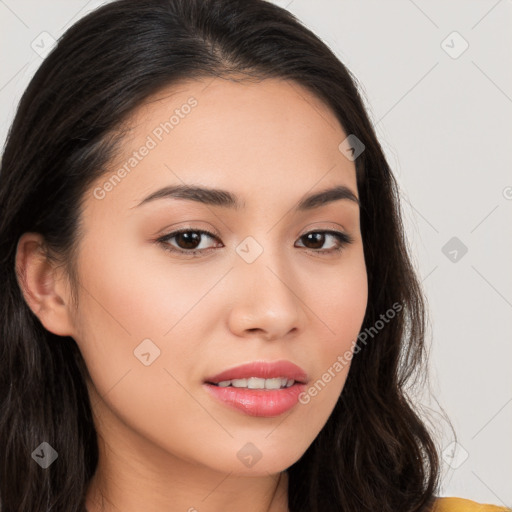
[252, 462]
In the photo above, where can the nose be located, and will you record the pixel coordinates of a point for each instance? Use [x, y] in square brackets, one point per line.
[266, 301]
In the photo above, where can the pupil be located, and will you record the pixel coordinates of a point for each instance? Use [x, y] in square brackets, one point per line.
[189, 238]
[320, 238]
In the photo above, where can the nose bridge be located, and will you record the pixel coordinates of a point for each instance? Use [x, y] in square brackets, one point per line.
[267, 299]
[263, 260]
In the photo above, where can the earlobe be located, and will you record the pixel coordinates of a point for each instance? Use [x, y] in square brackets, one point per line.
[42, 285]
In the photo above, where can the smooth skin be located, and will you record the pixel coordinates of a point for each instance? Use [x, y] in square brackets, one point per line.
[165, 443]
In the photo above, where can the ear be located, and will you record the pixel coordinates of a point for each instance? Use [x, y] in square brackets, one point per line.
[44, 285]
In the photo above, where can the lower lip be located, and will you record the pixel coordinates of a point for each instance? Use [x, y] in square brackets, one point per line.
[258, 402]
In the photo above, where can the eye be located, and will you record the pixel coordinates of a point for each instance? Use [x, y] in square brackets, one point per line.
[188, 241]
[318, 238]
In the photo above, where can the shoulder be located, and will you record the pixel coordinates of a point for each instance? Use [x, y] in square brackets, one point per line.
[463, 505]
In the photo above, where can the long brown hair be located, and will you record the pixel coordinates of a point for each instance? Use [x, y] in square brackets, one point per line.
[375, 452]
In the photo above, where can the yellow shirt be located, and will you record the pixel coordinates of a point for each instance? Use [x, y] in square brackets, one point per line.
[462, 505]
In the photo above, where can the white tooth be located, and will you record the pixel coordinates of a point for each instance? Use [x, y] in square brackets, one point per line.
[258, 383]
[275, 383]
[255, 383]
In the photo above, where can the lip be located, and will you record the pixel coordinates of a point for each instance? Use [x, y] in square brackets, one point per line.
[263, 370]
[259, 402]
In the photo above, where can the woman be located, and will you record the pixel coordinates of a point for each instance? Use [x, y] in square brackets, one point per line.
[208, 302]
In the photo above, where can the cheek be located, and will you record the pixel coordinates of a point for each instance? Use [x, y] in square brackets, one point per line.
[132, 313]
[139, 329]
[126, 308]
[340, 308]
[340, 302]
[135, 292]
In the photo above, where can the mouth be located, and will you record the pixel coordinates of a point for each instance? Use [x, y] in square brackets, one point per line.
[256, 383]
[259, 388]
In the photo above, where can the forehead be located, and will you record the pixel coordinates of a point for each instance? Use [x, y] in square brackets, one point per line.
[249, 137]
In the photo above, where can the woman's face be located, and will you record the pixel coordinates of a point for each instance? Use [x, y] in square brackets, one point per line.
[155, 324]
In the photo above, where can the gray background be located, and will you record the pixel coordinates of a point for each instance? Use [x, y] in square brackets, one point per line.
[444, 118]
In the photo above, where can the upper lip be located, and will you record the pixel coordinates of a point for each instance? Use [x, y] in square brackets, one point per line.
[261, 369]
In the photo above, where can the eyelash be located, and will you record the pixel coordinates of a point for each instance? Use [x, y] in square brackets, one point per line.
[343, 239]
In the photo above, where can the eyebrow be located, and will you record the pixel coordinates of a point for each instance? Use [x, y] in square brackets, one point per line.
[226, 199]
